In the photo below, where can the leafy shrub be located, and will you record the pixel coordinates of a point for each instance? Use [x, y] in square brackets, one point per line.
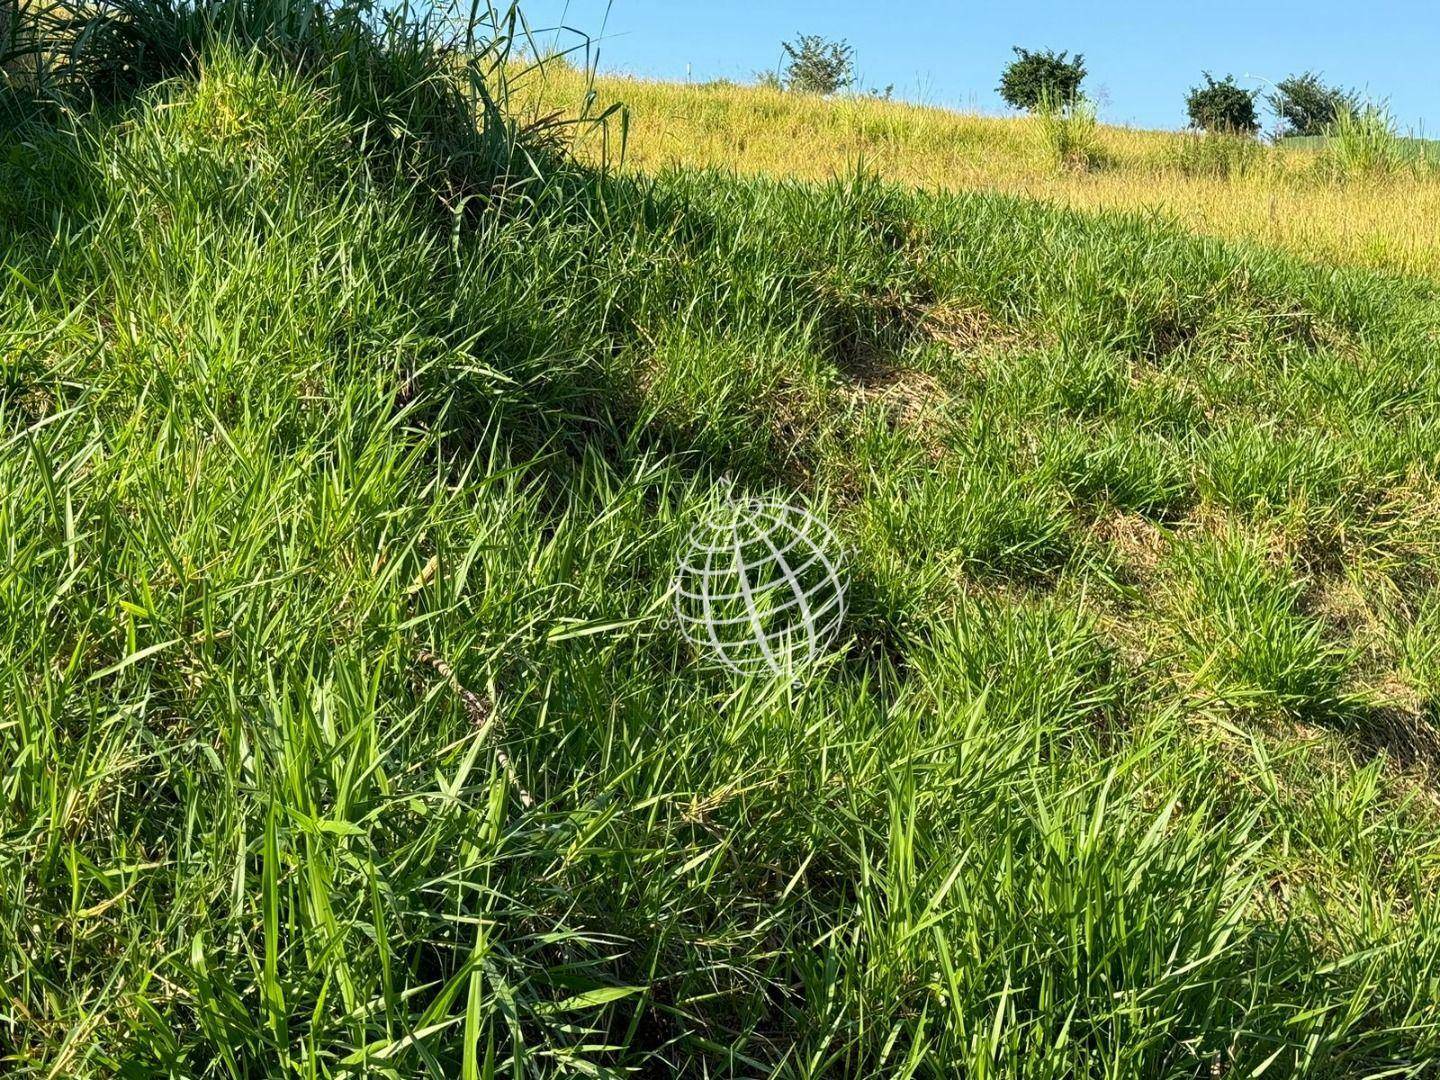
[1307, 106]
[1033, 76]
[817, 65]
[1222, 106]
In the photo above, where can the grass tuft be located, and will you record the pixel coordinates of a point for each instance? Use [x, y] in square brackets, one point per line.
[1246, 637]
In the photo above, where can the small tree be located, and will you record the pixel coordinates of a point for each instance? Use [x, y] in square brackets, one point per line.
[817, 65]
[1034, 77]
[1305, 105]
[1223, 106]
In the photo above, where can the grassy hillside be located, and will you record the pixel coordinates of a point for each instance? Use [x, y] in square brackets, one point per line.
[346, 452]
[1413, 148]
[1285, 197]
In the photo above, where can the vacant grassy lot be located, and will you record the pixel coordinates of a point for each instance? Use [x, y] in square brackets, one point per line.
[344, 463]
[1285, 198]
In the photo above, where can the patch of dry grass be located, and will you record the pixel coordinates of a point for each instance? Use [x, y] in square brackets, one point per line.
[1280, 197]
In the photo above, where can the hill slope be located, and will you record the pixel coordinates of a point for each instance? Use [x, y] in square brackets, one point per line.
[1285, 197]
[343, 471]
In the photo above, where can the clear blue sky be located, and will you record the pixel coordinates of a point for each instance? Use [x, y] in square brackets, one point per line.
[1141, 56]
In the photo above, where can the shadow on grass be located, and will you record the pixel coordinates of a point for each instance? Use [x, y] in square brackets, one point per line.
[1409, 739]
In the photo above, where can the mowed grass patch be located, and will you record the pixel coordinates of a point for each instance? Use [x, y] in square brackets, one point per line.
[347, 732]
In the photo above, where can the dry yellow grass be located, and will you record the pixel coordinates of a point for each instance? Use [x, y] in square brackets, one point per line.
[1282, 199]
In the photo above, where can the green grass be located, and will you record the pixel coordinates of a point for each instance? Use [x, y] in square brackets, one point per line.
[1069, 133]
[1246, 637]
[1410, 147]
[345, 458]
